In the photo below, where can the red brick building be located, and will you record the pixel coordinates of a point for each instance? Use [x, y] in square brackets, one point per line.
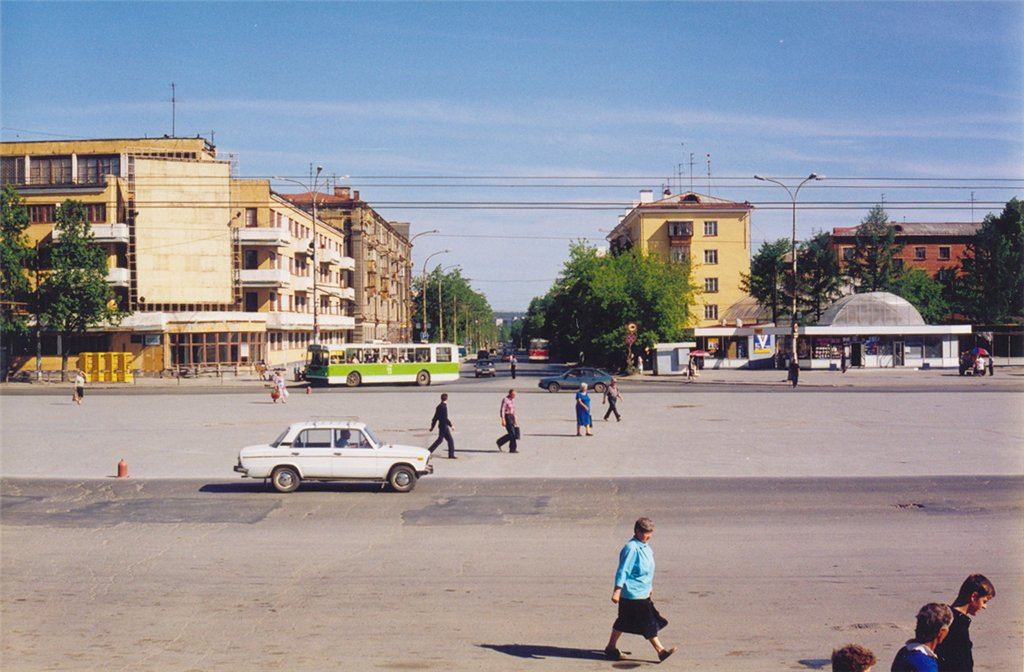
[931, 246]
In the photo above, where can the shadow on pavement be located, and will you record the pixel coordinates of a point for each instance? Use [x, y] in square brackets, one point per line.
[249, 487]
[538, 651]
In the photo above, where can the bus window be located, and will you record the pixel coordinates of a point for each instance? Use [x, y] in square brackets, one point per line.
[422, 355]
[337, 358]
[444, 354]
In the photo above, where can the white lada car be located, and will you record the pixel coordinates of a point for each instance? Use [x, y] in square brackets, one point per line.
[333, 451]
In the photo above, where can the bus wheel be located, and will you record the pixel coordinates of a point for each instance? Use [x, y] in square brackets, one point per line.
[423, 378]
[353, 379]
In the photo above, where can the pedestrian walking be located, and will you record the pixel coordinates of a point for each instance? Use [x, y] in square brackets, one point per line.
[78, 391]
[612, 396]
[918, 655]
[794, 371]
[956, 651]
[280, 392]
[444, 427]
[509, 420]
[512, 362]
[853, 658]
[634, 581]
[991, 365]
[583, 419]
[842, 360]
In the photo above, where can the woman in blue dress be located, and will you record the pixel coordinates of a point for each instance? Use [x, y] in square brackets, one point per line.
[583, 420]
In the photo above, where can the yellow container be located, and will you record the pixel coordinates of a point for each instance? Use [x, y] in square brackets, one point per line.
[107, 367]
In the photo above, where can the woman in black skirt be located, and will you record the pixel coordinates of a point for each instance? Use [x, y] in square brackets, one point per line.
[633, 584]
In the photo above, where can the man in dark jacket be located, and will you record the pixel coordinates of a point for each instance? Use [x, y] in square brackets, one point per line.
[444, 427]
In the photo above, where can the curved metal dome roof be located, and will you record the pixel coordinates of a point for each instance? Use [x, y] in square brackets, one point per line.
[872, 309]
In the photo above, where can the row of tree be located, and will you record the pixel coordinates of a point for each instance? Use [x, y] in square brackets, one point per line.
[987, 287]
[455, 312]
[587, 312]
[59, 287]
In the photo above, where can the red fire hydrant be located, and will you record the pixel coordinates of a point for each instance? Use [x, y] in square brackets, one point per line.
[122, 469]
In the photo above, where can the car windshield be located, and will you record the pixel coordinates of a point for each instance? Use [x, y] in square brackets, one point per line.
[372, 436]
[277, 442]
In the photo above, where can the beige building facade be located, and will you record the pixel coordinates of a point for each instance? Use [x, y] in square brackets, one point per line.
[713, 234]
[213, 271]
[382, 252]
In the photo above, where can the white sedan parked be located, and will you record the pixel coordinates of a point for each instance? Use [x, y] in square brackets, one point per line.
[333, 451]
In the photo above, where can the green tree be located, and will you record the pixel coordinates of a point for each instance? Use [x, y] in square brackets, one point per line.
[74, 293]
[464, 314]
[766, 281]
[595, 297]
[925, 293]
[874, 267]
[16, 257]
[993, 269]
[821, 280]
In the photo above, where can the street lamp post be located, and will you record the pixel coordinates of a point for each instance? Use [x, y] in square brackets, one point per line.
[412, 301]
[423, 288]
[793, 195]
[440, 316]
[312, 249]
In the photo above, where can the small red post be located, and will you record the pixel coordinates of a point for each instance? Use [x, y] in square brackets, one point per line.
[122, 469]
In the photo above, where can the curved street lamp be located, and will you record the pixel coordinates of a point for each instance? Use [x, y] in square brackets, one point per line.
[424, 289]
[312, 248]
[792, 195]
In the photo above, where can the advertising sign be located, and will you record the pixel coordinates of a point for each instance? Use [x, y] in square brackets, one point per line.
[763, 344]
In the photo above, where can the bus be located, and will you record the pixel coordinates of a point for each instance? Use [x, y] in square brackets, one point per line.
[538, 351]
[355, 364]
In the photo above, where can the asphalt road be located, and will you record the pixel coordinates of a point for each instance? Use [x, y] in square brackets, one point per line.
[493, 574]
[788, 522]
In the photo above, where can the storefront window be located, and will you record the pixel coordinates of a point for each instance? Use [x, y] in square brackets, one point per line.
[216, 348]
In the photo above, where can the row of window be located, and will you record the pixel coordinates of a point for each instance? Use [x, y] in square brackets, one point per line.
[685, 228]
[681, 253]
[95, 213]
[944, 253]
[59, 169]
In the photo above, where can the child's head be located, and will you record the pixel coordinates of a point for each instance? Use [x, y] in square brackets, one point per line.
[932, 620]
[853, 658]
[975, 592]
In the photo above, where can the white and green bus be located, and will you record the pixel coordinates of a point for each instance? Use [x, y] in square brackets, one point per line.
[355, 364]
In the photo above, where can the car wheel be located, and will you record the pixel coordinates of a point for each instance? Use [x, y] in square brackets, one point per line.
[554, 387]
[402, 478]
[353, 379]
[599, 388]
[285, 479]
[423, 378]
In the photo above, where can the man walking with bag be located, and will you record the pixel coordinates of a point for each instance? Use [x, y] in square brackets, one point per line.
[612, 396]
[509, 421]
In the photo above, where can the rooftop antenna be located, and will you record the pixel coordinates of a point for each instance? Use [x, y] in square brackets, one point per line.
[691, 170]
[709, 174]
[174, 111]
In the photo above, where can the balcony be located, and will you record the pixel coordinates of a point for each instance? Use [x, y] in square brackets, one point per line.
[270, 277]
[343, 293]
[304, 321]
[301, 245]
[104, 233]
[118, 277]
[267, 236]
[334, 258]
[301, 283]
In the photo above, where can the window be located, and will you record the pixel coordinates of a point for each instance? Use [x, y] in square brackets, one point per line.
[680, 229]
[12, 170]
[680, 253]
[944, 254]
[42, 214]
[848, 253]
[919, 254]
[96, 213]
[711, 285]
[710, 256]
[92, 169]
[50, 170]
[313, 438]
[710, 228]
[250, 217]
[711, 312]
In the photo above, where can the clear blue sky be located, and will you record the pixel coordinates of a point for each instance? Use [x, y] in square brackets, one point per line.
[917, 91]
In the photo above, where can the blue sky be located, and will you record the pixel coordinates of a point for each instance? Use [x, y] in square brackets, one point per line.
[918, 104]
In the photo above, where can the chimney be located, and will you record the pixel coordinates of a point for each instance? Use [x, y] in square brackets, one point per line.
[355, 195]
[646, 196]
[343, 192]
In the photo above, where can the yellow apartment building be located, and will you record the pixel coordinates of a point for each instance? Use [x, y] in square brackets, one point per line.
[213, 271]
[712, 233]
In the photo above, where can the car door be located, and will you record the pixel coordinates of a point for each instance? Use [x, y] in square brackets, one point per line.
[355, 455]
[573, 378]
[312, 453]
